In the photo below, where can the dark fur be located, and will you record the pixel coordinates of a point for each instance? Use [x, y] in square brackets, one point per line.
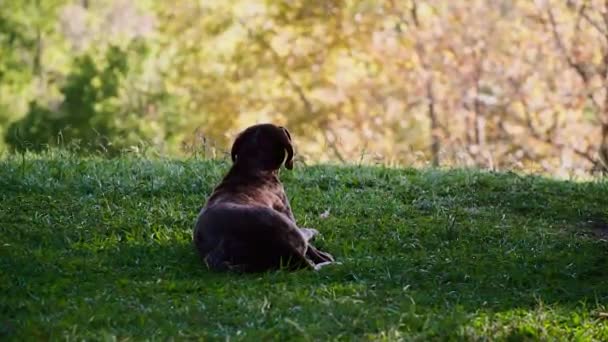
[247, 224]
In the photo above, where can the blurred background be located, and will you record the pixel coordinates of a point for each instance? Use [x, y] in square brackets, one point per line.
[505, 84]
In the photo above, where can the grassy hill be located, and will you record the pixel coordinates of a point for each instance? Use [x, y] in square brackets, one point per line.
[94, 248]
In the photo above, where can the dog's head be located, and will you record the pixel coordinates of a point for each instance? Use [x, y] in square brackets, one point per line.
[265, 146]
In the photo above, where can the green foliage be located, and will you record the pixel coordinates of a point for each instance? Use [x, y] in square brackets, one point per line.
[22, 26]
[27, 37]
[92, 115]
[86, 111]
[95, 248]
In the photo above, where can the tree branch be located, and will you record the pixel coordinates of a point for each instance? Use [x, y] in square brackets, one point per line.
[549, 139]
[282, 69]
[578, 67]
[562, 47]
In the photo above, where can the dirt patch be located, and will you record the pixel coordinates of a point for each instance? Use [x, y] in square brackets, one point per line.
[599, 227]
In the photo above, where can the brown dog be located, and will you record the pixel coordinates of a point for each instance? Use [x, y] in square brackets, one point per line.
[247, 224]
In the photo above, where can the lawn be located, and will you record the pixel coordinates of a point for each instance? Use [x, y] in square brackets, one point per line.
[94, 248]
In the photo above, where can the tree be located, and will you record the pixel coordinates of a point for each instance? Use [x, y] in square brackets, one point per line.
[27, 38]
[93, 114]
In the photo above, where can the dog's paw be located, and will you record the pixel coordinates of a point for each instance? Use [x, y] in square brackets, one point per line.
[318, 266]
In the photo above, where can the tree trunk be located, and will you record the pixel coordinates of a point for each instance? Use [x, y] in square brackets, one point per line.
[435, 143]
[603, 148]
[602, 162]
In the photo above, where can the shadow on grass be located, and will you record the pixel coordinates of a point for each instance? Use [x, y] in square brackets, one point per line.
[522, 282]
[366, 294]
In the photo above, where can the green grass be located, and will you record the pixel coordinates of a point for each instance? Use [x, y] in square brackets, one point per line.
[101, 249]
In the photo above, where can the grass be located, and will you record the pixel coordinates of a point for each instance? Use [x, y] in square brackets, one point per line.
[101, 249]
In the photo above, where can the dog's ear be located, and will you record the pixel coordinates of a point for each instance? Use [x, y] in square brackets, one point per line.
[236, 146]
[287, 144]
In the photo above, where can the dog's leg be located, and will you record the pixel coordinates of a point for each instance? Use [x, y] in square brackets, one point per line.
[297, 262]
[216, 259]
[318, 256]
[308, 233]
[216, 262]
[287, 208]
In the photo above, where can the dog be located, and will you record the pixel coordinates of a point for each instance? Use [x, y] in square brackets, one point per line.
[247, 224]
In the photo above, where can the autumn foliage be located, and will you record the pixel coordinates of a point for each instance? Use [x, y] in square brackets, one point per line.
[496, 84]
